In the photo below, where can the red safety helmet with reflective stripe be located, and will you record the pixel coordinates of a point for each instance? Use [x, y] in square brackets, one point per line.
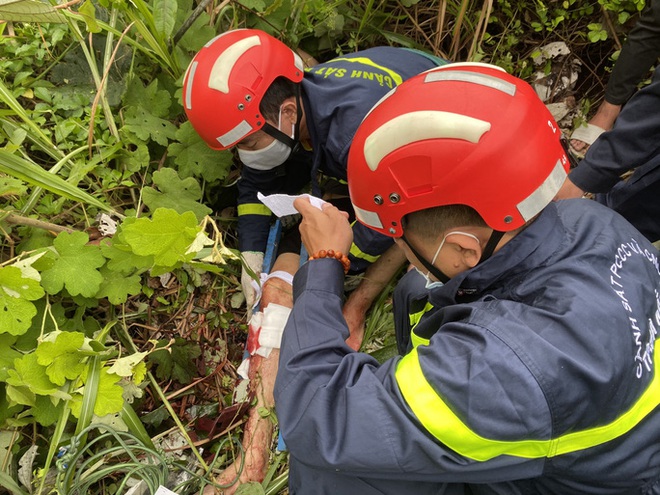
[463, 133]
[226, 81]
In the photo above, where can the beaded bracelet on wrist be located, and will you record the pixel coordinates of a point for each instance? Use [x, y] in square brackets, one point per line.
[330, 253]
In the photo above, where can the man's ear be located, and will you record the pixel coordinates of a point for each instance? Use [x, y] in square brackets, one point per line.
[469, 252]
[290, 109]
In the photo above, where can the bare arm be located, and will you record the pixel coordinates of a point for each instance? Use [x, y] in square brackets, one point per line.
[376, 278]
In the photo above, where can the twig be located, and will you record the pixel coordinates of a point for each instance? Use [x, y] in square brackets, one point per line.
[31, 222]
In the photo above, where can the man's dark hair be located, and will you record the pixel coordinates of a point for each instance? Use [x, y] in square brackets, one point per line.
[281, 89]
[426, 224]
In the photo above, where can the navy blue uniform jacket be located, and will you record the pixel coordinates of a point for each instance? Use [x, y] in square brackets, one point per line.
[336, 95]
[536, 372]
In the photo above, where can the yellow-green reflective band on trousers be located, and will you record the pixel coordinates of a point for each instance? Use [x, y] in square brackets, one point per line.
[443, 424]
[414, 320]
[253, 209]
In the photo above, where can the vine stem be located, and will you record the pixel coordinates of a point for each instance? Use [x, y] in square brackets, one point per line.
[168, 406]
[33, 222]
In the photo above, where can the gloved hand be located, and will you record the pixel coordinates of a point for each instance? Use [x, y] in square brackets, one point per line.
[252, 261]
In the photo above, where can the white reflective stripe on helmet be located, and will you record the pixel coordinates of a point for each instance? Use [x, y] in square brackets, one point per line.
[190, 75]
[543, 194]
[212, 40]
[454, 65]
[298, 62]
[418, 126]
[472, 77]
[370, 218]
[224, 64]
[235, 135]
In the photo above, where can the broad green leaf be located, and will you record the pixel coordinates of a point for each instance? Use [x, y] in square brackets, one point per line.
[29, 11]
[20, 395]
[47, 319]
[29, 373]
[177, 362]
[45, 412]
[88, 13]
[117, 287]
[251, 488]
[139, 372]
[256, 5]
[7, 355]
[76, 266]
[179, 195]
[146, 126]
[109, 399]
[194, 157]
[62, 358]
[16, 292]
[147, 112]
[164, 16]
[157, 101]
[124, 366]
[14, 284]
[25, 266]
[121, 258]
[11, 187]
[6, 411]
[199, 33]
[166, 236]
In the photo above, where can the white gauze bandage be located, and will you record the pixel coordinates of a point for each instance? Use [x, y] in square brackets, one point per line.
[272, 327]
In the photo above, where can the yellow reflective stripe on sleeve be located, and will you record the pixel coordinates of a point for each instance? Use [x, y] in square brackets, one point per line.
[363, 60]
[253, 209]
[414, 320]
[437, 417]
[356, 252]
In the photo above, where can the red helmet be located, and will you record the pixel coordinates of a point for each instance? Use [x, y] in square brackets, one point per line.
[463, 133]
[225, 82]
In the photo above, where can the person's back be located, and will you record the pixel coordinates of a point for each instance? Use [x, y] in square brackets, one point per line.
[339, 93]
[563, 338]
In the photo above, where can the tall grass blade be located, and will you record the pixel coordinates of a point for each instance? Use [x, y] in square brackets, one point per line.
[31, 173]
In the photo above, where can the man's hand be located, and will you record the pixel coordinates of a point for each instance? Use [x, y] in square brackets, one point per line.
[324, 229]
[254, 260]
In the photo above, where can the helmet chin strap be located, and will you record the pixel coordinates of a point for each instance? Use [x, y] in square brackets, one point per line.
[495, 237]
[291, 142]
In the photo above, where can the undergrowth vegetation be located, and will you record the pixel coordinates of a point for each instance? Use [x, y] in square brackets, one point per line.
[121, 317]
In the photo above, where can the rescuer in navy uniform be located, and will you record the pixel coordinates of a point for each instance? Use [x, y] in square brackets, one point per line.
[530, 368]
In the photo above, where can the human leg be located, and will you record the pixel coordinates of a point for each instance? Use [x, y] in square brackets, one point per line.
[258, 431]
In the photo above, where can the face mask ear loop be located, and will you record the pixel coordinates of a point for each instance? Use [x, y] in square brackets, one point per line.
[296, 126]
[279, 135]
[291, 142]
[436, 272]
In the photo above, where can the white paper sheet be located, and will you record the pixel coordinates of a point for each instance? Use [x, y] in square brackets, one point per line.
[282, 204]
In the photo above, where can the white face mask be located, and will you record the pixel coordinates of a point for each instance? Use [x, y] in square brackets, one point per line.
[432, 284]
[273, 155]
